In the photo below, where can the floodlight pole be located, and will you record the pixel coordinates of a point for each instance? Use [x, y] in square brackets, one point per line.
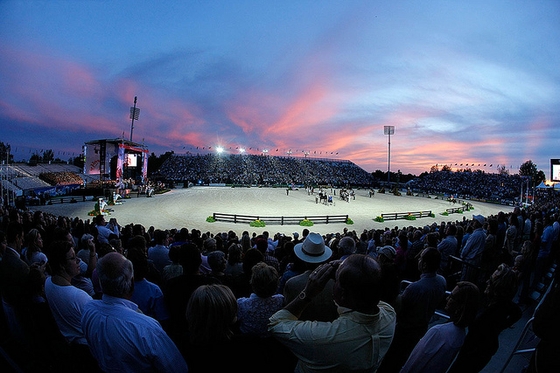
[134, 114]
[389, 130]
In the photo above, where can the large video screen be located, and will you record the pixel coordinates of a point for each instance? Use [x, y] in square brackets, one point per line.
[555, 169]
[131, 160]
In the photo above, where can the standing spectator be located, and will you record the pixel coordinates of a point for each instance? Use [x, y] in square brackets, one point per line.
[415, 307]
[358, 338]
[544, 249]
[473, 249]
[491, 255]
[447, 247]
[121, 338]
[510, 247]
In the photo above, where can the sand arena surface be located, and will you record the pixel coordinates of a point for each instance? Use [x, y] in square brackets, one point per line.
[190, 207]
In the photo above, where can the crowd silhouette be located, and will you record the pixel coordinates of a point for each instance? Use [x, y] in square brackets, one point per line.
[222, 289]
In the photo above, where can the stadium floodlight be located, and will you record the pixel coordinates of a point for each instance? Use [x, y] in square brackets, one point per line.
[389, 130]
[134, 114]
[220, 150]
[241, 150]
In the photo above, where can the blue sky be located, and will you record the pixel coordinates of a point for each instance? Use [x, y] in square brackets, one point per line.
[474, 82]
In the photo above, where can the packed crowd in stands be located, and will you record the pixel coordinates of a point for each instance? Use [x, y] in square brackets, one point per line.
[92, 295]
[262, 170]
[61, 178]
[471, 184]
[276, 170]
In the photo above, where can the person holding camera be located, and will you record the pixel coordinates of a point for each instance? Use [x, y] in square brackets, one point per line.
[355, 341]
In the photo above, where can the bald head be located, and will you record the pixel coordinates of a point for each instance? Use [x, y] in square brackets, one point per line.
[116, 275]
[347, 246]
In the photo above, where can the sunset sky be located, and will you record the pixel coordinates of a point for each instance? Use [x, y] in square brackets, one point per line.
[462, 82]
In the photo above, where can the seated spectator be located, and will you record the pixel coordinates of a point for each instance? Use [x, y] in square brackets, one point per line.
[175, 268]
[313, 252]
[147, 295]
[254, 311]
[499, 313]
[436, 350]
[159, 253]
[121, 338]
[33, 251]
[66, 301]
[234, 265]
[390, 279]
[211, 314]
[179, 289]
[241, 284]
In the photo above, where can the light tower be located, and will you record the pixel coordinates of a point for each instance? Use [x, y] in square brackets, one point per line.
[389, 130]
[134, 114]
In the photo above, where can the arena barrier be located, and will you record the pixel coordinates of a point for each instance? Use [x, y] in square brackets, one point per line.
[405, 215]
[280, 220]
[459, 210]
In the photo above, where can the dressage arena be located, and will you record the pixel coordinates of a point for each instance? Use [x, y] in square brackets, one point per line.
[189, 208]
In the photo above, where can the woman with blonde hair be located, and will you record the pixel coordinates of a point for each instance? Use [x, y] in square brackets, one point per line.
[32, 252]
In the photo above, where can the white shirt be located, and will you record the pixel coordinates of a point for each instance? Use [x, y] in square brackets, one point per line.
[66, 304]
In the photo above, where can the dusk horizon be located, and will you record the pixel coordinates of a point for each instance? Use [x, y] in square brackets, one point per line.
[472, 84]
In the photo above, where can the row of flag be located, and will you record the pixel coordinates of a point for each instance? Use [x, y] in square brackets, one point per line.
[289, 151]
[471, 165]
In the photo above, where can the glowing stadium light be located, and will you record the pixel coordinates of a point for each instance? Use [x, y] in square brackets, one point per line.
[219, 149]
[241, 150]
